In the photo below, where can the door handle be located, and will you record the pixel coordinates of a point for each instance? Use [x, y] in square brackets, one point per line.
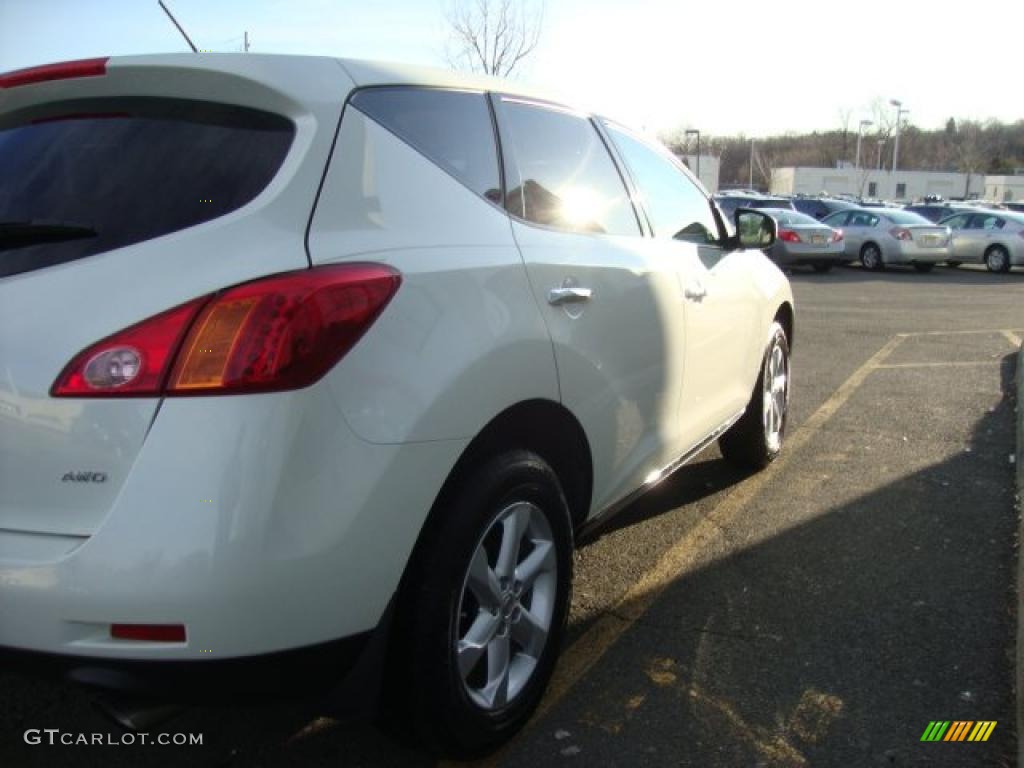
[695, 291]
[568, 295]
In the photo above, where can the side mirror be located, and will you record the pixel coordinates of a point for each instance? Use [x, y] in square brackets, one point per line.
[754, 229]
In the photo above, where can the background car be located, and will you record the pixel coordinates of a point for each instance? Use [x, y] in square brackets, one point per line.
[936, 212]
[993, 238]
[729, 202]
[883, 236]
[804, 241]
[820, 207]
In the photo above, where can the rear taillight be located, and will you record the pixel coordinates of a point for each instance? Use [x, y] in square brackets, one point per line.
[900, 233]
[837, 235]
[282, 332]
[64, 70]
[789, 236]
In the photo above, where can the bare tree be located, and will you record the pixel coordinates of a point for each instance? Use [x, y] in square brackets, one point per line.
[492, 36]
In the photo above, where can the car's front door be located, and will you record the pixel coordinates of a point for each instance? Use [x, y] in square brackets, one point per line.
[613, 308]
[722, 342]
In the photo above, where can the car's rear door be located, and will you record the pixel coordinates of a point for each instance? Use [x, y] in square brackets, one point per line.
[612, 307]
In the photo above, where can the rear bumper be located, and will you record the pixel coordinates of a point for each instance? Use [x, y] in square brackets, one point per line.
[260, 523]
[825, 255]
[298, 672]
[911, 253]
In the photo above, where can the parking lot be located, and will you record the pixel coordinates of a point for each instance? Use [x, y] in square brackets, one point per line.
[820, 613]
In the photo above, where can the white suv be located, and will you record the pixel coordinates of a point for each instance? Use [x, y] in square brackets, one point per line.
[311, 370]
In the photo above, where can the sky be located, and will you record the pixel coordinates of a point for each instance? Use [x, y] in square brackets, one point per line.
[722, 67]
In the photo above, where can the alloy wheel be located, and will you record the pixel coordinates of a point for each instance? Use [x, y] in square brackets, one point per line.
[776, 396]
[506, 606]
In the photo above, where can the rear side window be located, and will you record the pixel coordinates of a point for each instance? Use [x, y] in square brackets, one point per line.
[676, 207]
[452, 128]
[563, 175]
[837, 219]
[88, 180]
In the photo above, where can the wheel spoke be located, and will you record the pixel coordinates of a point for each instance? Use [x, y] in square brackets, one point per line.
[530, 632]
[478, 639]
[483, 582]
[539, 561]
[498, 661]
[513, 528]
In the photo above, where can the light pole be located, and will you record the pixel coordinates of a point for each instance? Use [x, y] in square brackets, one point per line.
[691, 132]
[860, 135]
[750, 183]
[900, 112]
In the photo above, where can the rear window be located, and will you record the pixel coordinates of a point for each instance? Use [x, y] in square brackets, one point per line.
[906, 218]
[792, 218]
[100, 176]
[770, 203]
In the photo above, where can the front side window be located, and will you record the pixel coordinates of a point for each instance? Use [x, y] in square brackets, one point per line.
[985, 221]
[452, 128]
[675, 205]
[563, 176]
[82, 181]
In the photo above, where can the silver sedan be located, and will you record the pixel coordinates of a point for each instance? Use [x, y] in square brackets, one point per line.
[883, 236]
[803, 240]
[995, 238]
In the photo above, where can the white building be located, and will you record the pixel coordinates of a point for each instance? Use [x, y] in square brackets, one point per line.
[869, 182]
[1003, 189]
[709, 167]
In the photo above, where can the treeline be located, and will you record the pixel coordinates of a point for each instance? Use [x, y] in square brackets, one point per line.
[966, 146]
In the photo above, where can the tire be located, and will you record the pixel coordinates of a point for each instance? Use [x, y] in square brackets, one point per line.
[997, 259]
[822, 267]
[953, 264]
[753, 442]
[457, 707]
[871, 257]
[923, 266]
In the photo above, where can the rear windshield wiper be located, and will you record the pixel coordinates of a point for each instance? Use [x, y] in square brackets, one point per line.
[17, 234]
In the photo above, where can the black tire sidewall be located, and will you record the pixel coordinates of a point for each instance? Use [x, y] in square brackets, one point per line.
[1006, 259]
[447, 719]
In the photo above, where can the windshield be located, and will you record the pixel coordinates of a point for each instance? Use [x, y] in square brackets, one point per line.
[78, 184]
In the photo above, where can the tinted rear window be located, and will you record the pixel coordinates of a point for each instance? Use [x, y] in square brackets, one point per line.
[128, 171]
[770, 203]
[452, 128]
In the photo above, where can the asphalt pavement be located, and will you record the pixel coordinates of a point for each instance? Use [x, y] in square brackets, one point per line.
[822, 612]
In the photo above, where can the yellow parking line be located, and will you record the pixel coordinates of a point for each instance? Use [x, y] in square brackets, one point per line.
[1012, 337]
[990, 331]
[961, 364]
[582, 655]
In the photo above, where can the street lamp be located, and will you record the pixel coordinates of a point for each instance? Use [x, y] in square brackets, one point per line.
[860, 135]
[750, 183]
[691, 132]
[900, 112]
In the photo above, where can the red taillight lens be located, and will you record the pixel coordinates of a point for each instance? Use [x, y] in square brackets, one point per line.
[134, 362]
[282, 332]
[837, 236]
[154, 633]
[789, 236]
[900, 233]
[61, 71]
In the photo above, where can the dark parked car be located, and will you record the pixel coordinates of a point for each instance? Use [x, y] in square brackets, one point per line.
[728, 203]
[820, 207]
[937, 211]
